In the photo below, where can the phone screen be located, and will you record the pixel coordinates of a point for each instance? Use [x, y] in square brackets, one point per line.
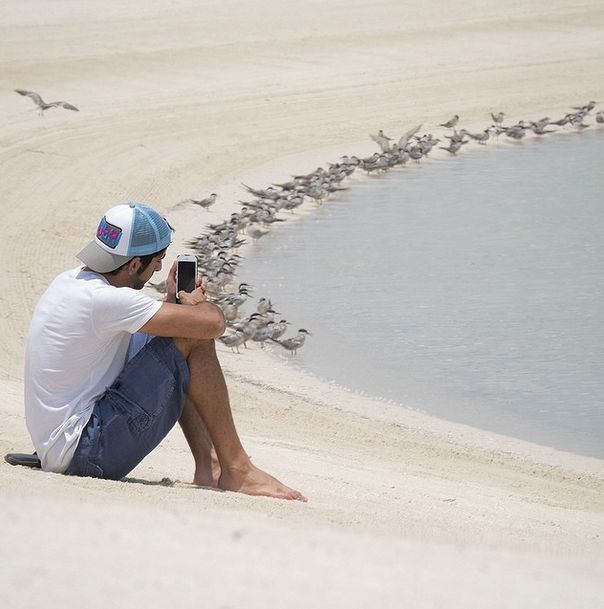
[186, 276]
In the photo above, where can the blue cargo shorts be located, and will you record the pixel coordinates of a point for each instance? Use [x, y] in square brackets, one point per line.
[136, 413]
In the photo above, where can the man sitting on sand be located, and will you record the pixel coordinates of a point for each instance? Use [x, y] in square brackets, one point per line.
[109, 370]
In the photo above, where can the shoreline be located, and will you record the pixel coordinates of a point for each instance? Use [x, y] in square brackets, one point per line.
[283, 168]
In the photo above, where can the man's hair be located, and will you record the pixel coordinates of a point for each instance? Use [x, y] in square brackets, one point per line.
[145, 261]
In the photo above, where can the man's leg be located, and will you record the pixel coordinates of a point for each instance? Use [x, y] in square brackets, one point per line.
[207, 468]
[208, 393]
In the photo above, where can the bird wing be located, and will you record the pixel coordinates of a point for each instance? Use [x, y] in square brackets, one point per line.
[63, 104]
[407, 136]
[381, 141]
[32, 95]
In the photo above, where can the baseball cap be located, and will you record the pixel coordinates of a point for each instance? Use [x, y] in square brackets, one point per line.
[126, 231]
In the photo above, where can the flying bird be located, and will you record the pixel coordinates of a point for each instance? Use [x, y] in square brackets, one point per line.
[42, 105]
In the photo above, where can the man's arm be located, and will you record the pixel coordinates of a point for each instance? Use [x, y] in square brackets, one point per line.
[202, 321]
[195, 317]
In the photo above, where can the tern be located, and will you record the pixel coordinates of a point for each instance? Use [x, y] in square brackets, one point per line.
[264, 333]
[255, 231]
[205, 203]
[454, 146]
[588, 107]
[264, 306]
[279, 329]
[161, 287]
[381, 140]
[498, 118]
[42, 105]
[404, 139]
[481, 138]
[294, 343]
[451, 122]
[539, 127]
[233, 340]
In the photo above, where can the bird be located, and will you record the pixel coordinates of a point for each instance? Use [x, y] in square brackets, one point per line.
[236, 298]
[264, 333]
[381, 140]
[600, 117]
[576, 120]
[416, 153]
[457, 136]
[498, 118]
[255, 231]
[517, 131]
[404, 139]
[205, 203]
[539, 127]
[279, 328]
[42, 105]
[248, 327]
[233, 340]
[161, 287]
[588, 107]
[454, 146]
[294, 343]
[481, 138]
[230, 311]
[451, 122]
[264, 306]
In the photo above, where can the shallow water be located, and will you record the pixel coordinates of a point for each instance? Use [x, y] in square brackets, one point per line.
[469, 287]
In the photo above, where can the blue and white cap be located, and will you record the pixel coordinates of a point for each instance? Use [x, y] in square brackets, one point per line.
[124, 232]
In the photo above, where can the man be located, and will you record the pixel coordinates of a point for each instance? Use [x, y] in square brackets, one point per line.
[109, 370]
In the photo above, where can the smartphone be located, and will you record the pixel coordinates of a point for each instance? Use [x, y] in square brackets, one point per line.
[186, 273]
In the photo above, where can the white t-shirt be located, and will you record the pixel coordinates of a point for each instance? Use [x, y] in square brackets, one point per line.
[76, 347]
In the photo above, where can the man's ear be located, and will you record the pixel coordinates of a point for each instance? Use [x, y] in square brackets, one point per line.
[134, 265]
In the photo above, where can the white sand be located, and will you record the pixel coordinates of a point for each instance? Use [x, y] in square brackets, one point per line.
[181, 98]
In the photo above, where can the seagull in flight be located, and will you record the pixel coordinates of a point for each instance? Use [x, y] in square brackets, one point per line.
[42, 105]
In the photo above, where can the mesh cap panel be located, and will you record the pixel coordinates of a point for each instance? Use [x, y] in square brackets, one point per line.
[150, 232]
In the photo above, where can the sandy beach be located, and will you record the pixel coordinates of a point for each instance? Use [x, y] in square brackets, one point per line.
[179, 99]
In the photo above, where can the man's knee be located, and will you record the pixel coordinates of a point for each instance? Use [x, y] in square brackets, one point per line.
[188, 346]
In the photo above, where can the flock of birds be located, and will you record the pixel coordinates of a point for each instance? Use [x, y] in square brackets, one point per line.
[216, 248]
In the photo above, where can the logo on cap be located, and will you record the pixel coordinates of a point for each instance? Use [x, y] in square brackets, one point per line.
[108, 234]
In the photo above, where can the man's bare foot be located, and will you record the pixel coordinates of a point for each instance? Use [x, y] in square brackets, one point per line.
[208, 476]
[253, 481]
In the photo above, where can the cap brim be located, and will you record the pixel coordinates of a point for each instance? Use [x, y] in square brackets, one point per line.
[100, 260]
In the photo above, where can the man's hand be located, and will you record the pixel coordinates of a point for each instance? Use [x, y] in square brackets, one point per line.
[191, 298]
[171, 284]
[195, 297]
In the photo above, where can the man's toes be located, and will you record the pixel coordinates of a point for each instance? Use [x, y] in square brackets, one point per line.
[296, 496]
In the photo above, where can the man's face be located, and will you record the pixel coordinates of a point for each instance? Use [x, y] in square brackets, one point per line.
[142, 276]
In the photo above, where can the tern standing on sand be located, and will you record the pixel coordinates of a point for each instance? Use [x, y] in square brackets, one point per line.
[451, 123]
[205, 203]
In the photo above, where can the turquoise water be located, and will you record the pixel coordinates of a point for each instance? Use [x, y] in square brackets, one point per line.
[469, 287]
